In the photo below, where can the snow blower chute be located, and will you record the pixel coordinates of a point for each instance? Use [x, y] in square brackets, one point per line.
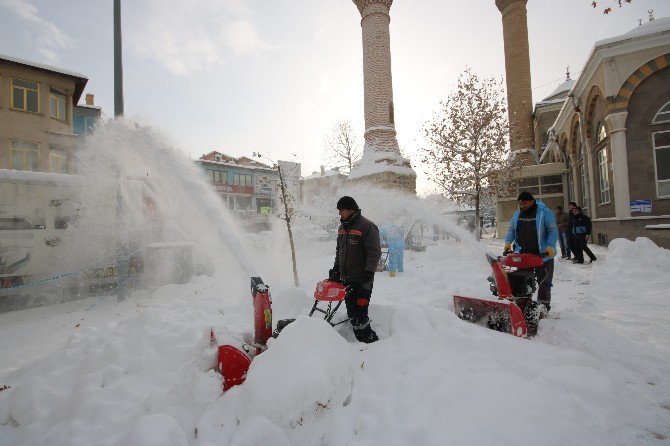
[513, 282]
[233, 362]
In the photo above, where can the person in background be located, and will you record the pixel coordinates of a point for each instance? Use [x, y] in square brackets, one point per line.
[562, 223]
[533, 230]
[581, 229]
[571, 238]
[392, 236]
[356, 258]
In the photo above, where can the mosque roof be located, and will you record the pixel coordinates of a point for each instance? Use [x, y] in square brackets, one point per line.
[565, 87]
[648, 28]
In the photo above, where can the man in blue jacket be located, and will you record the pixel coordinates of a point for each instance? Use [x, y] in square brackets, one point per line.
[533, 230]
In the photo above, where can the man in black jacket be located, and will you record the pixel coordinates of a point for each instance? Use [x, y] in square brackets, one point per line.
[581, 229]
[571, 238]
[356, 258]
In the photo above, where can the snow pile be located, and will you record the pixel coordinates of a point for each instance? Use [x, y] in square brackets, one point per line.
[304, 376]
[633, 265]
[379, 161]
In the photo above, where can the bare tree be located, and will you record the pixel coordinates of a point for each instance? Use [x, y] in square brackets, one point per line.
[468, 155]
[341, 145]
[287, 195]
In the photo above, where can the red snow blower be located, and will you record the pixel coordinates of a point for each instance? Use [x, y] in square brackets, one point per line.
[513, 282]
[233, 362]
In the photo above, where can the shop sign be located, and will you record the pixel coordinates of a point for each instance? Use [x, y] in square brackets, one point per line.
[234, 189]
[264, 187]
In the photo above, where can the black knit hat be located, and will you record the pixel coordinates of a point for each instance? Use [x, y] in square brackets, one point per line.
[347, 202]
[525, 196]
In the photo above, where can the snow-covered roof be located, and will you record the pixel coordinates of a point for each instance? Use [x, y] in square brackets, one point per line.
[565, 87]
[79, 79]
[646, 29]
[236, 165]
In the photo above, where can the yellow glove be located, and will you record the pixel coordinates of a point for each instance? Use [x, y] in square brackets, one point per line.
[549, 251]
[507, 248]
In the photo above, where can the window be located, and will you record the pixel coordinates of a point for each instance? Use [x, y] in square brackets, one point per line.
[24, 155]
[663, 115]
[571, 187]
[83, 125]
[530, 184]
[552, 184]
[58, 105]
[57, 161]
[217, 176]
[241, 179]
[585, 194]
[224, 176]
[604, 178]
[662, 161]
[25, 95]
[601, 134]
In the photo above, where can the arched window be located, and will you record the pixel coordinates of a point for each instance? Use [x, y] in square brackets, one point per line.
[663, 115]
[600, 132]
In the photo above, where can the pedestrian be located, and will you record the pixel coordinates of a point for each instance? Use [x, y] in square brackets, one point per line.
[581, 229]
[562, 223]
[571, 238]
[392, 236]
[533, 230]
[356, 259]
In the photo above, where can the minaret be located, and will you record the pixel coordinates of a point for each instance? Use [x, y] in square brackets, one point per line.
[382, 163]
[517, 73]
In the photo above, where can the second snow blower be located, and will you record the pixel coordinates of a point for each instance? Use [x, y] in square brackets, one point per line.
[513, 282]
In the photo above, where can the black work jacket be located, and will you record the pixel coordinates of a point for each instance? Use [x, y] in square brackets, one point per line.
[358, 248]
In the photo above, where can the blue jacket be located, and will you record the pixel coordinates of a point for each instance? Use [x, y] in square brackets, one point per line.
[547, 230]
[393, 237]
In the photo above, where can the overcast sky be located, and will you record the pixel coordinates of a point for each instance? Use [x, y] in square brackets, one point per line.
[276, 75]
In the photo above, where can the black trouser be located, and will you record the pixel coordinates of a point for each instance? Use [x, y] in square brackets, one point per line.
[572, 244]
[581, 247]
[545, 276]
[357, 301]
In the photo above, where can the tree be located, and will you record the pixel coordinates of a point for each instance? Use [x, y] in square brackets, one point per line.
[341, 145]
[287, 195]
[468, 151]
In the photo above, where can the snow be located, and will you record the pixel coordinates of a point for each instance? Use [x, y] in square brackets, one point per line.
[379, 161]
[646, 29]
[42, 66]
[140, 372]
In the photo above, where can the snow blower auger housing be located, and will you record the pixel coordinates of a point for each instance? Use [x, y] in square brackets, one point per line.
[513, 282]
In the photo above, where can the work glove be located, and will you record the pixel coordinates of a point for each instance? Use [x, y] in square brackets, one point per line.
[507, 249]
[334, 276]
[549, 252]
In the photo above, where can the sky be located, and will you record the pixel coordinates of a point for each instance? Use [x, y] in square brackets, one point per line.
[275, 76]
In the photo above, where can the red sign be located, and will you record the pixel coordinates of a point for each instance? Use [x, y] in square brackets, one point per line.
[234, 189]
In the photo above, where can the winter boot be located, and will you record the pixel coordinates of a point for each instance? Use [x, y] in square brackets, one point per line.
[364, 332]
[392, 273]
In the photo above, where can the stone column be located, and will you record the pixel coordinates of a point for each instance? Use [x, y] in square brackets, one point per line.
[517, 74]
[576, 179]
[382, 163]
[616, 123]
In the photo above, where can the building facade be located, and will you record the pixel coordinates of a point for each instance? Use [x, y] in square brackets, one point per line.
[607, 137]
[246, 186]
[326, 181]
[38, 106]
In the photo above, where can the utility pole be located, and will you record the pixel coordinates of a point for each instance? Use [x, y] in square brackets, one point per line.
[118, 61]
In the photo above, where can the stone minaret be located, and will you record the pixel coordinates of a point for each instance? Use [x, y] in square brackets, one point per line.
[382, 163]
[517, 70]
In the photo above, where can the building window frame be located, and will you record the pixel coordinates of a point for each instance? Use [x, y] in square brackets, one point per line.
[29, 148]
[603, 176]
[57, 160]
[665, 182]
[242, 179]
[58, 108]
[601, 133]
[25, 90]
[663, 115]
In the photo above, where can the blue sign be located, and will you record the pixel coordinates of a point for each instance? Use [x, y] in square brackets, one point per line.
[640, 206]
